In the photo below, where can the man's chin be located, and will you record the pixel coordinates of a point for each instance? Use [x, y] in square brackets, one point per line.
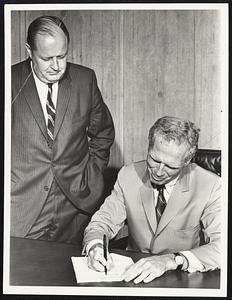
[159, 182]
[55, 77]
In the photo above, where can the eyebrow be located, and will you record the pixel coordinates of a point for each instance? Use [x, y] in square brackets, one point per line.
[49, 57]
[155, 160]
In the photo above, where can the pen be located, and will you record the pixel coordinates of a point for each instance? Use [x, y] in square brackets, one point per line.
[105, 251]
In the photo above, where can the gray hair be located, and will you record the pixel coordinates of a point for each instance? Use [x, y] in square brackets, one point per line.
[178, 130]
[44, 25]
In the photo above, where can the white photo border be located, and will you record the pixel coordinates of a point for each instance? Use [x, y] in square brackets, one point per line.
[54, 290]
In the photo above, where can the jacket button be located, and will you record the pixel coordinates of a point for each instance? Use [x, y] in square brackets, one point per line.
[46, 188]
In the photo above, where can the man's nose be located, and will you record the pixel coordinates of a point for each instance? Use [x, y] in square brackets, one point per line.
[55, 64]
[159, 171]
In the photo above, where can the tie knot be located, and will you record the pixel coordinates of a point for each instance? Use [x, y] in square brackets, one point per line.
[50, 86]
[159, 187]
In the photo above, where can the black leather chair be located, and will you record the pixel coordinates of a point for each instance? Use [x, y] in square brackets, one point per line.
[208, 159]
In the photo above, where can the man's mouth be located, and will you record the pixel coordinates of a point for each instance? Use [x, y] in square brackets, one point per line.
[53, 74]
[157, 179]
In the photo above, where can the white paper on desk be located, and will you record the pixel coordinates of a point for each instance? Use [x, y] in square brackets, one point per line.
[85, 274]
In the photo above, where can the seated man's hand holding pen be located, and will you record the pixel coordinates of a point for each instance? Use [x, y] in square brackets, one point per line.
[98, 260]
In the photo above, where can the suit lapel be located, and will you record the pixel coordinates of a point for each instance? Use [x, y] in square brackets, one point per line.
[147, 199]
[32, 98]
[176, 201]
[62, 101]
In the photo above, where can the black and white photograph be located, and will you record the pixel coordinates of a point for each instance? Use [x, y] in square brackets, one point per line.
[116, 149]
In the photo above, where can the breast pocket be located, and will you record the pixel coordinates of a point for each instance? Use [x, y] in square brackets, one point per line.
[184, 239]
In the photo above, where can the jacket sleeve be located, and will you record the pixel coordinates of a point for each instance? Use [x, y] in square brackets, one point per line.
[110, 218]
[209, 254]
[101, 128]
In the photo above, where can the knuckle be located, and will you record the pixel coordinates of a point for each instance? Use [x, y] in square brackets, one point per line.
[148, 264]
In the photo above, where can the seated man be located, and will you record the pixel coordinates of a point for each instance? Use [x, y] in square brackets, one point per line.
[172, 208]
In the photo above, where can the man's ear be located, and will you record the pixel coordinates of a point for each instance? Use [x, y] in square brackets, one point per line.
[187, 162]
[28, 48]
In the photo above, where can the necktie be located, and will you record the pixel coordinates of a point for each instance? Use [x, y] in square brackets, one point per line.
[51, 112]
[161, 203]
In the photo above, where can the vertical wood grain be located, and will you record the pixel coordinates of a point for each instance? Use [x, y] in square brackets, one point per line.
[96, 44]
[207, 70]
[18, 34]
[148, 64]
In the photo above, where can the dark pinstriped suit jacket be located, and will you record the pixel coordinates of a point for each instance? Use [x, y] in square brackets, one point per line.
[83, 135]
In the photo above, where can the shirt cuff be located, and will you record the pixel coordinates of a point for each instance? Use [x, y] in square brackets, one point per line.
[194, 263]
[90, 244]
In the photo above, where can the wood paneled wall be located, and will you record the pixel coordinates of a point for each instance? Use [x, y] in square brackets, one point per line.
[148, 64]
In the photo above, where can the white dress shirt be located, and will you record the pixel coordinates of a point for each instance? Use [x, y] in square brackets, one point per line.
[42, 89]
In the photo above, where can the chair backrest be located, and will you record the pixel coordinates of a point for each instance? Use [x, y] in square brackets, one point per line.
[209, 159]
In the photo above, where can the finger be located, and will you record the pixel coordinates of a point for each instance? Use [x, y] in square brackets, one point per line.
[132, 273]
[98, 266]
[150, 277]
[135, 267]
[98, 255]
[142, 276]
[109, 263]
[90, 263]
[96, 260]
[100, 258]
[95, 264]
[130, 269]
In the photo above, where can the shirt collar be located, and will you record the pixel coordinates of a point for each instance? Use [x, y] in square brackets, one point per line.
[172, 183]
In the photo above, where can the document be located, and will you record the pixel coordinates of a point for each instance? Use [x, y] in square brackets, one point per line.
[85, 274]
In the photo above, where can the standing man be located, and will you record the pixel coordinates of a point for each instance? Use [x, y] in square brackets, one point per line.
[172, 208]
[62, 132]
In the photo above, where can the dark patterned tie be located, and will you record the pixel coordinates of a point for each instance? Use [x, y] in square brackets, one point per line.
[51, 112]
[161, 202]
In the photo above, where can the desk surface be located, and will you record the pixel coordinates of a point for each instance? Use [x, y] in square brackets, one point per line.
[39, 263]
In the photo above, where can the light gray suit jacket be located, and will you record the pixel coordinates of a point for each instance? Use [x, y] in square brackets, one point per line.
[191, 220]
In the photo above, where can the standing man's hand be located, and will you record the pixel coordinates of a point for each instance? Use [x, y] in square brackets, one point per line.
[147, 269]
[96, 260]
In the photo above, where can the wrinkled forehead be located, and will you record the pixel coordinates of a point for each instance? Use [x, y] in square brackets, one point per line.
[170, 140]
[170, 147]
